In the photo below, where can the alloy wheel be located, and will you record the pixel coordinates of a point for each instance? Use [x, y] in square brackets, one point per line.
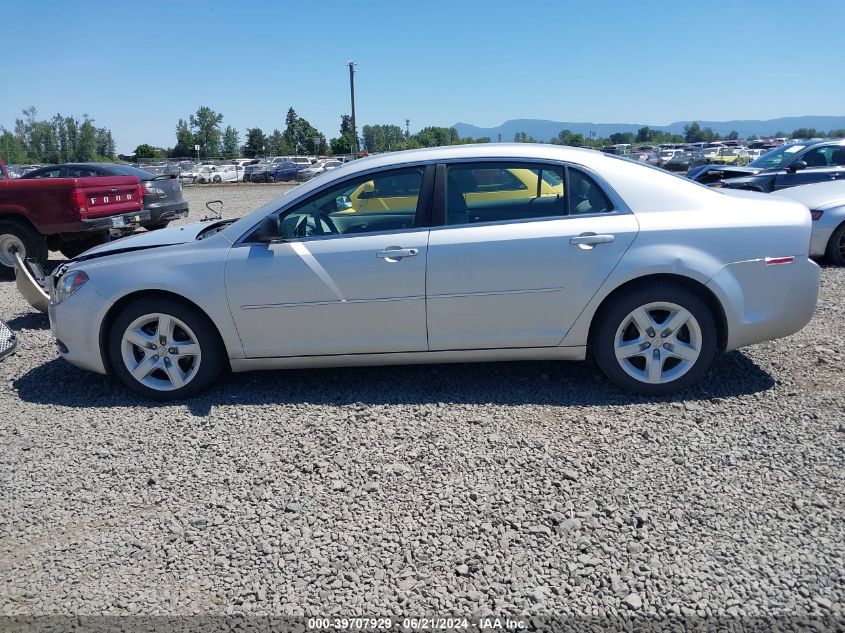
[160, 352]
[658, 342]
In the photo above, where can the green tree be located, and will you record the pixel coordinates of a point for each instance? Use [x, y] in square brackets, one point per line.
[340, 145]
[383, 138]
[11, 149]
[256, 141]
[840, 133]
[622, 137]
[86, 149]
[184, 140]
[205, 125]
[644, 135]
[148, 151]
[231, 143]
[433, 136]
[733, 135]
[299, 135]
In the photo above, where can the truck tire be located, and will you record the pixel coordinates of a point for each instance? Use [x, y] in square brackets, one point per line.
[21, 237]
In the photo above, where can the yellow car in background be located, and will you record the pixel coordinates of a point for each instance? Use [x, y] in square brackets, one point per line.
[731, 156]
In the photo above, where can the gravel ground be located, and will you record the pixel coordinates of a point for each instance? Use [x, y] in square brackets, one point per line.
[530, 488]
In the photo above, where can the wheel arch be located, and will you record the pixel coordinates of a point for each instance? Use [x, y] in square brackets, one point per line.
[700, 290]
[120, 304]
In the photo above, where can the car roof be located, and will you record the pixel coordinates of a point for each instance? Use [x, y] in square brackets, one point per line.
[641, 187]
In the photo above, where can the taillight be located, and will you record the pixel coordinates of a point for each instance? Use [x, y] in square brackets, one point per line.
[140, 193]
[816, 215]
[80, 202]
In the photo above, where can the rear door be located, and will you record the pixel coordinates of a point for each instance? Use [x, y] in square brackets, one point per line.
[512, 272]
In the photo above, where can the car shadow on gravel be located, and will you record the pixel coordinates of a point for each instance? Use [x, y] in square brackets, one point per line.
[536, 383]
[30, 321]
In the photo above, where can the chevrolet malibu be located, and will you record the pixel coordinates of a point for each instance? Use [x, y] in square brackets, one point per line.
[472, 253]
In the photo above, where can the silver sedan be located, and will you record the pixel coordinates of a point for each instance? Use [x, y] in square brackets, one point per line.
[472, 253]
[826, 202]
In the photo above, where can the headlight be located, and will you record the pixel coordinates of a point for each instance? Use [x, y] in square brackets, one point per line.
[70, 283]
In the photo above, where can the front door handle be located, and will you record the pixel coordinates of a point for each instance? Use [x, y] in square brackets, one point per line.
[396, 253]
[589, 240]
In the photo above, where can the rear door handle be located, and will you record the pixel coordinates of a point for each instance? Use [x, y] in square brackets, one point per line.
[396, 253]
[588, 240]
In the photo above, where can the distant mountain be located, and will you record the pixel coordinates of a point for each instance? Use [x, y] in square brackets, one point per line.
[544, 130]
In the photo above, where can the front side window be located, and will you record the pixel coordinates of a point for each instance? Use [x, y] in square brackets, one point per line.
[490, 192]
[383, 202]
[818, 157]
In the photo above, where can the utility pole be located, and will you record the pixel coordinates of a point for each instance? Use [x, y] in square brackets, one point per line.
[407, 129]
[354, 144]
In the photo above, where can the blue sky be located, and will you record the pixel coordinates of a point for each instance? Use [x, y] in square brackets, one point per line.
[138, 67]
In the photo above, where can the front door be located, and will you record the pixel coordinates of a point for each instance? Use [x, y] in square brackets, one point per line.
[510, 271]
[342, 280]
[824, 163]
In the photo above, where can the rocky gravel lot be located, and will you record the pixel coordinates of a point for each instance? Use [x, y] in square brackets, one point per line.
[531, 488]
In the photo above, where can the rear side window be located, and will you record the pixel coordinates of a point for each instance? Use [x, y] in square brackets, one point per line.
[82, 172]
[47, 173]
[489, 192]
[585, 195]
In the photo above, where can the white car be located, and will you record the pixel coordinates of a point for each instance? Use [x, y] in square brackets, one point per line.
[309, 172]
[218, 173]
[826, 202]
[472, 253]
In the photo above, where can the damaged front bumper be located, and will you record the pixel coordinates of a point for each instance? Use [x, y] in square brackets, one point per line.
[31, 283]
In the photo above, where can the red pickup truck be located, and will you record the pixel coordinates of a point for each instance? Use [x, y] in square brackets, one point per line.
[69, 215]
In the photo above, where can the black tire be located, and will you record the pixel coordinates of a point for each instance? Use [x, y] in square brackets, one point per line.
[217, 179]
[212, 353]
[34, 245]
[836, 246]
[271, 179]
[603, 342]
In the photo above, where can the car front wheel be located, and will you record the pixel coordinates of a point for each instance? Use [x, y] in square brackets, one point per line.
[656, 341]
[164, 349]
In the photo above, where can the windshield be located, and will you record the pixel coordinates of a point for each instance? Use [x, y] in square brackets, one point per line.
[667, 153]
[776, 157]
[728, 152]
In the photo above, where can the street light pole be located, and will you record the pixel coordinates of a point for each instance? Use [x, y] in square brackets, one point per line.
[354, 144]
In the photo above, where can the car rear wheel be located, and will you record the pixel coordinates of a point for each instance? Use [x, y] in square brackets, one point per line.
[217, 179]
[164, 349]
[836, 246]
[23, 239]
[656, 341]
[271, 179]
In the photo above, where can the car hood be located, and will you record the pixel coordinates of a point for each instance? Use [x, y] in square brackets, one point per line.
[148, 239]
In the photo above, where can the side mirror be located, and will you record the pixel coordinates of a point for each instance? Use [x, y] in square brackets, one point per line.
[796, 166]
[270, 229]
